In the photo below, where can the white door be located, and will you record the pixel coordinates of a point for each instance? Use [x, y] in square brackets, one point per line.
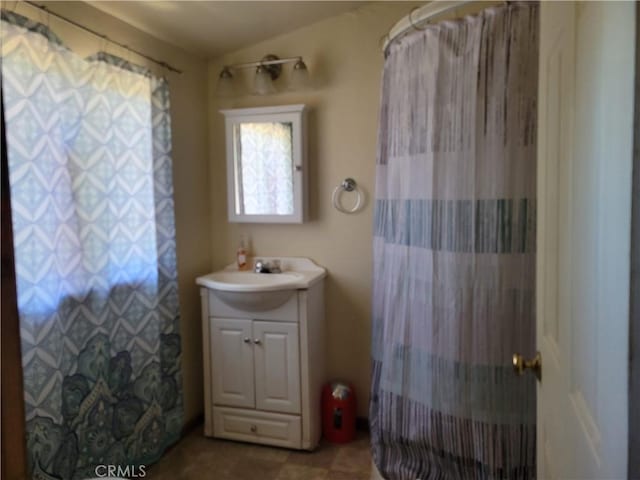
[277, 366]
[584, 211]
[232, 369]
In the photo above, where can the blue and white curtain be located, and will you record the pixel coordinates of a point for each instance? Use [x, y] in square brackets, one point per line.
[89, 143]
[454, 250]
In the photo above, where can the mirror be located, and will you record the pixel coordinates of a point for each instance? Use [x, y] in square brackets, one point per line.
[263, 157]
[266, 164]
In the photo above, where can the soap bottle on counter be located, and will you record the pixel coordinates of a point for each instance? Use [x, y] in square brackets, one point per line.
[241, 256]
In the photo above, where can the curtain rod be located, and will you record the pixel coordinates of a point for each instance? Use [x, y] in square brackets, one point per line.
[420, 15]
[105, 37]
[279, 61]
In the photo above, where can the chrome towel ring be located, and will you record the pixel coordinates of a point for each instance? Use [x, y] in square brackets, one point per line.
[347, 185]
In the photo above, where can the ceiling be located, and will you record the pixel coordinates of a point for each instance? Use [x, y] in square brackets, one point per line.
[212, 28]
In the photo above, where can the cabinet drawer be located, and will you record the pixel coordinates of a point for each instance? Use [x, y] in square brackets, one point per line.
[262, 427]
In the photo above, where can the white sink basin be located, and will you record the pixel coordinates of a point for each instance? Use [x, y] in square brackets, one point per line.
[253, 292]
[254, 301]
[252, 282]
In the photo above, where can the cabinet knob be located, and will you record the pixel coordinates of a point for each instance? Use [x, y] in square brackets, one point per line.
[254, 429]
[257, 341]
[246, 340]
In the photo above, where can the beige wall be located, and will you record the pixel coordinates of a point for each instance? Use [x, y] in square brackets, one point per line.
[190, 165]
[344, 56]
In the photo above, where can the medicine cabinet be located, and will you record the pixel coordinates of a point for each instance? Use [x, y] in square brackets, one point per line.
[266, 164]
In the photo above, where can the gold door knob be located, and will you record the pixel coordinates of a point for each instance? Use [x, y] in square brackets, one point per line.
[535, 364]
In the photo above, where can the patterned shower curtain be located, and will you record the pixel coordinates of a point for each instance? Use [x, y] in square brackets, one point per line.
[89, 144]
[454, 250]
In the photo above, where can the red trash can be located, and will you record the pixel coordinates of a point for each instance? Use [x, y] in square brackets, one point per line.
[339, 412]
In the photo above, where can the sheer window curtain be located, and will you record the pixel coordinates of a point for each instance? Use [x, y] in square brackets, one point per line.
[454, 250]
[89, 144]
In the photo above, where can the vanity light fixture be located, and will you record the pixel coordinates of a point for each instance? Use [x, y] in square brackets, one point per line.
[226, 87]
[263, 83]
[266, 71]
[300, 79]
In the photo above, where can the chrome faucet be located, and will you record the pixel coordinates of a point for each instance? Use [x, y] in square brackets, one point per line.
[260, 266]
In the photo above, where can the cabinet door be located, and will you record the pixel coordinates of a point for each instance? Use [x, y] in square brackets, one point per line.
[232, 369]
[277, 366]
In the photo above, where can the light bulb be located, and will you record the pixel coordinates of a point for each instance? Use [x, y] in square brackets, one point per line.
[226, 86]
[300, 79]
[263, 84]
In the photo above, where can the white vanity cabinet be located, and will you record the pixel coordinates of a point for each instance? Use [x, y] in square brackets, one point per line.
[264, 369]
[257, 364]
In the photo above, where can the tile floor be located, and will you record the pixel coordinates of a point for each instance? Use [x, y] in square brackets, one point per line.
[197, 457]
